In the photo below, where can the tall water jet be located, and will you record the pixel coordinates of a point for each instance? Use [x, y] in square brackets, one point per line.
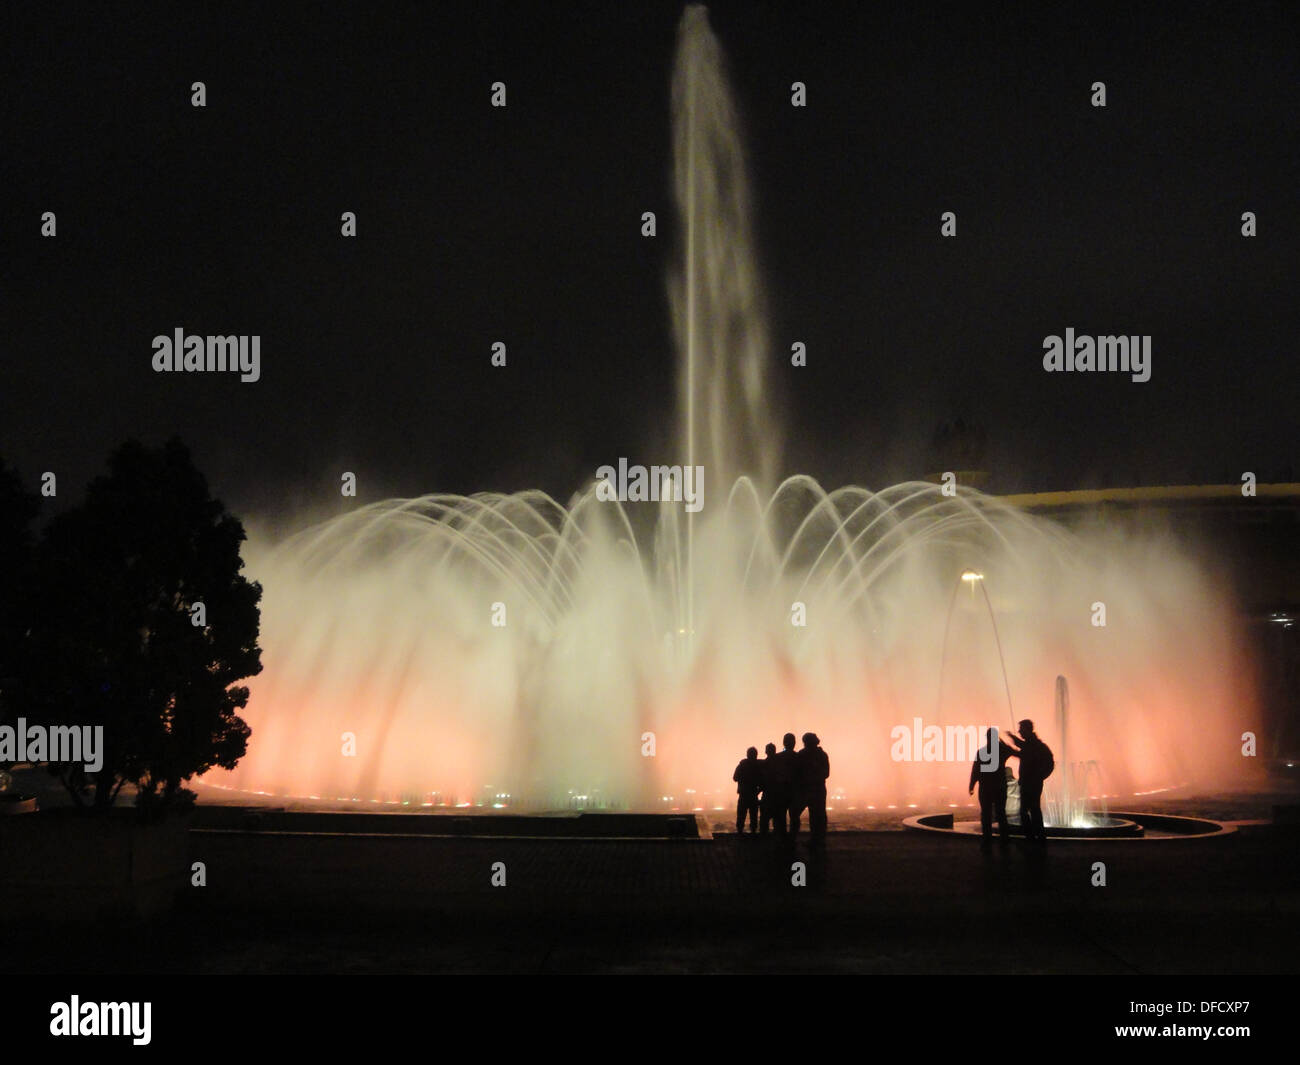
[716, 296]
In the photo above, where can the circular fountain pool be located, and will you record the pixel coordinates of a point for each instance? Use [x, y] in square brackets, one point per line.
[1112, 826]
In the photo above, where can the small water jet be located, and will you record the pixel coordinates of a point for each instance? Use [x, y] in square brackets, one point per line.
[1071, 806]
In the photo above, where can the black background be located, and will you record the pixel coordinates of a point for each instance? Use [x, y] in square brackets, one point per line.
[478, 224]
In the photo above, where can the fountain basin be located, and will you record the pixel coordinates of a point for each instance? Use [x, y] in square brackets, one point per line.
[1116, 826]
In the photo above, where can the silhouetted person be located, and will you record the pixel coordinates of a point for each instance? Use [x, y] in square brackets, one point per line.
[1036, 765]
[812, 767]
[783, 772]
[769, 812]
[749, 782]
[989, 772]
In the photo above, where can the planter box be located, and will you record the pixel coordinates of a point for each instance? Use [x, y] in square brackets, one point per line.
[65, 866]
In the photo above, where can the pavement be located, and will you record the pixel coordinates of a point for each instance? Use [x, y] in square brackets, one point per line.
[868, 902]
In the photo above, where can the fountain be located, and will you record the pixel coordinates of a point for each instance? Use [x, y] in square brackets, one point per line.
[1069, 806]
[515, 651]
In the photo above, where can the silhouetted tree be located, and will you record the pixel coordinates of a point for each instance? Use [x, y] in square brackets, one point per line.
[17, 509]
[115, 641]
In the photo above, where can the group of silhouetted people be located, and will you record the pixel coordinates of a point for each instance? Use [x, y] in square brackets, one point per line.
[991, 773]
[775, 792]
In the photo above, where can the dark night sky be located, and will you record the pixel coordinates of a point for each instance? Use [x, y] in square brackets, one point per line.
[522, 225]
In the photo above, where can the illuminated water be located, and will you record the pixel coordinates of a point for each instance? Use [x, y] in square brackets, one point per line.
[379, 635]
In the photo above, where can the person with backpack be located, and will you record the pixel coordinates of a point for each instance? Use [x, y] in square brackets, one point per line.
[1036, 765]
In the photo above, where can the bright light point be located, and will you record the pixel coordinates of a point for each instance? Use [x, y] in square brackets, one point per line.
[971, 575]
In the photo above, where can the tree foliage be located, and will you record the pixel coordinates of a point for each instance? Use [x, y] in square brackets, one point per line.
[113, 640]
